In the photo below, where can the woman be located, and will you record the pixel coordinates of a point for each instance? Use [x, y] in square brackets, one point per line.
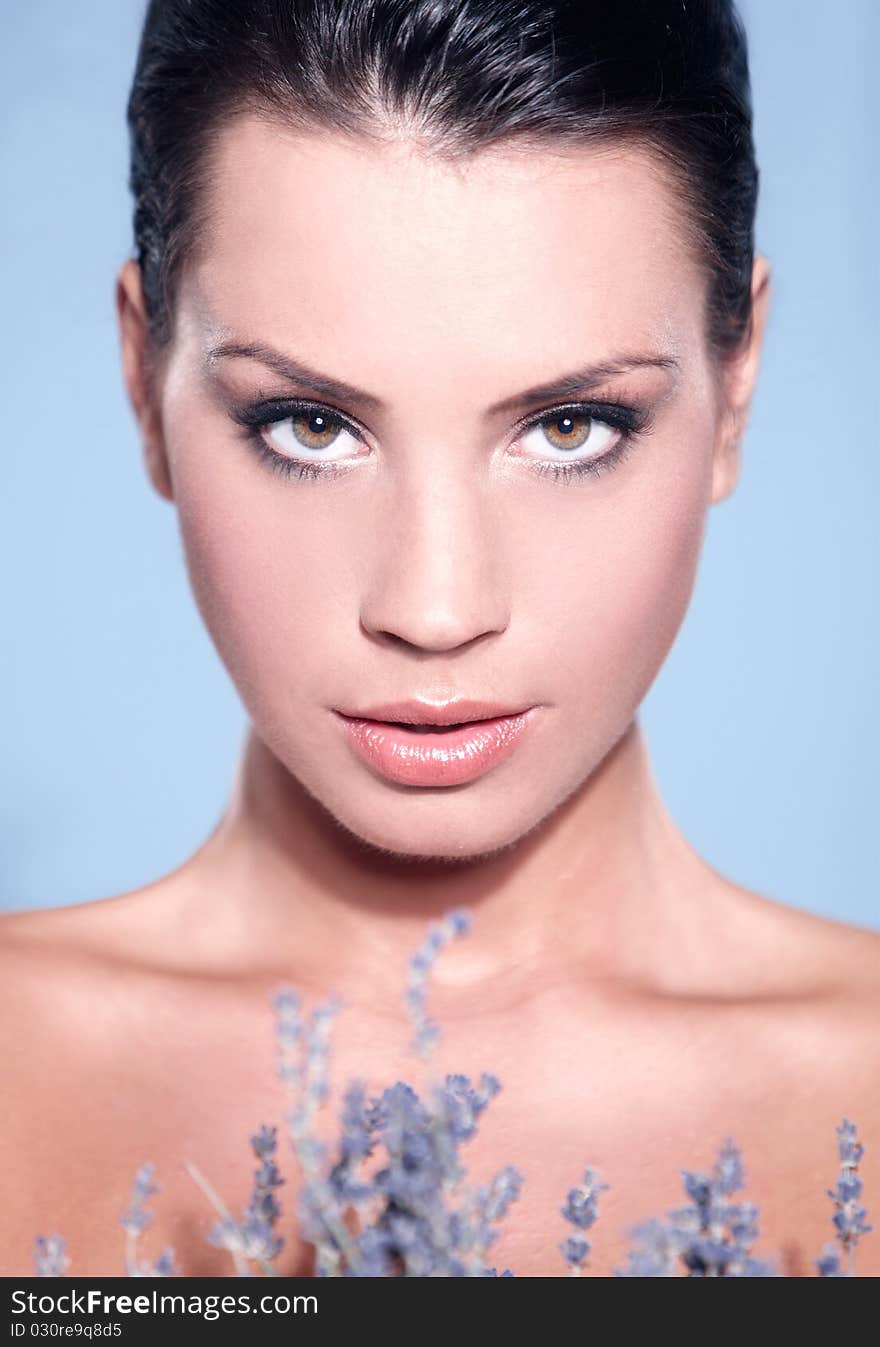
[441, 337]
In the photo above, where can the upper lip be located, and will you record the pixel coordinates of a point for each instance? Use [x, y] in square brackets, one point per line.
[416, 712]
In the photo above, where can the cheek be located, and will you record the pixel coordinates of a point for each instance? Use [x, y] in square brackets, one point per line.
[262, 578]
[616, 588]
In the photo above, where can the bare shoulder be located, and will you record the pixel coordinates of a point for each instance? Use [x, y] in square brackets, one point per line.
[793, 947]
[58, 993]
[54, 965]
[820, 1011]
[64, 969]
[128, 926]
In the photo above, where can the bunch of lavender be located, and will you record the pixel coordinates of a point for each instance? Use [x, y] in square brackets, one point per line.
[412, 1216]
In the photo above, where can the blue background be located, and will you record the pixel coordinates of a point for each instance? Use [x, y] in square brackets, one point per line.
[121, 729]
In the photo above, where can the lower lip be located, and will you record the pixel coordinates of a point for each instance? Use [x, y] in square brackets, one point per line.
[447, 758]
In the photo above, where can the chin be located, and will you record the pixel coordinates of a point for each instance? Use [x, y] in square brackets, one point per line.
[393, 839]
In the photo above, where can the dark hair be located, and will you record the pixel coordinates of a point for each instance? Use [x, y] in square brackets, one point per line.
[456, 75]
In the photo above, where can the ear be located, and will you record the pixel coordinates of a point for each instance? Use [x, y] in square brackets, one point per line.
[738, 379]
[140, 374]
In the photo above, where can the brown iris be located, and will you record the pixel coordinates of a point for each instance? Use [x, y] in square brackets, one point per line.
[566, 427]
[313, 438]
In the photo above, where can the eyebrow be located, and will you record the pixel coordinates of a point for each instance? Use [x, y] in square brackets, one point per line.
[575, 381]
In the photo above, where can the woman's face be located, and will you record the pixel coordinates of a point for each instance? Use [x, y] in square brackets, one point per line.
[441, 551]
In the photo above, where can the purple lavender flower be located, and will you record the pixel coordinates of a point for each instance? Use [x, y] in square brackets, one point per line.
[164, 1265]
[50, 1258]
[462, 1104]
[135, 1219]
[575, 1250]
[254, 1236]
[420, 967]
[580, 1205]
[829, 1262]
[356, 1144]
[302, 1065]
[303, 1051]
[729, 1172]
[419, 1235]
[288, 1031]
[711, 1236]
[654, 1252]
[263, 1210]
[494, 1198]
[849, 1217]
[581, 1210]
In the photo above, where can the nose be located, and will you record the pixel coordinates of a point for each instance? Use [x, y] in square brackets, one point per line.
[436, 576]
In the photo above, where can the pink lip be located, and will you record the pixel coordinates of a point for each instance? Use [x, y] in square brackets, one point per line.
[424, 711]
[434, 757]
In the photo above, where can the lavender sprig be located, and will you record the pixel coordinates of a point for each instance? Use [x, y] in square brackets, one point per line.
[849, 1217]
[254, 1236]
[50, 1258]
[135, 1219]
[302, 1065]
[426, 1036]
[421, 965]
[581, 1210]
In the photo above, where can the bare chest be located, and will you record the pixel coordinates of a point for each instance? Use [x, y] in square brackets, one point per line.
[638, 1106]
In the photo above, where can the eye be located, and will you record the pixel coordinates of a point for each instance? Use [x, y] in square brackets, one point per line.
[313, 429]
[570, 430]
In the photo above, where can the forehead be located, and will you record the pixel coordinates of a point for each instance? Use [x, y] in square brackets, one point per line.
[346, 241]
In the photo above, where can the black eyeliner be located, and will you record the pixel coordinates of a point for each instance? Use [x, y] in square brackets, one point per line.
[254, 417]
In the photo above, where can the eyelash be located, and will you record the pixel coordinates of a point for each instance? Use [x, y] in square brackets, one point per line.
[628, 420]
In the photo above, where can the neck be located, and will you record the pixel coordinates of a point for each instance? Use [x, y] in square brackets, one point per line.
[605, 890]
